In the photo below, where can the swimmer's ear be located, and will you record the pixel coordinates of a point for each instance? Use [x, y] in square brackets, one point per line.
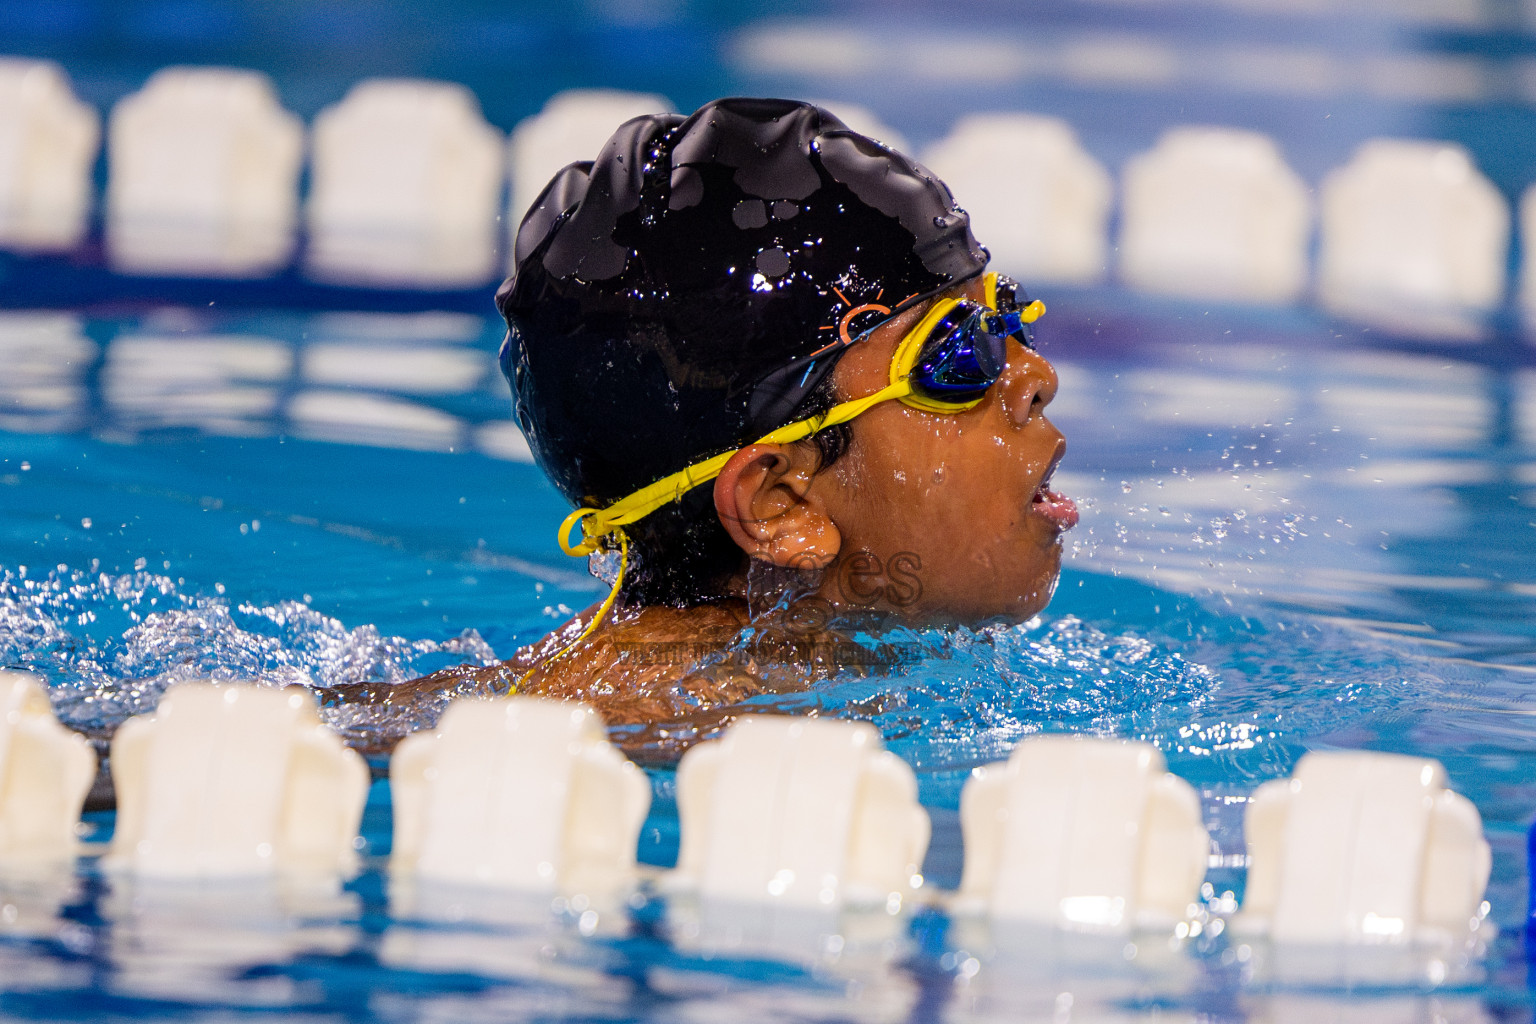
[763, 499]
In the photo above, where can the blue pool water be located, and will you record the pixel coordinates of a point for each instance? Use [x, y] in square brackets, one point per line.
[1296, 535]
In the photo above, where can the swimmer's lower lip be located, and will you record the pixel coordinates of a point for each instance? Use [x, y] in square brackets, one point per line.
[1057, 507]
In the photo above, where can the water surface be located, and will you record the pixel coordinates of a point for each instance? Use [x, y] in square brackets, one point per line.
[1295, 536]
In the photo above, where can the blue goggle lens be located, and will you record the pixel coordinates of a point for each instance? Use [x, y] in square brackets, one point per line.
[967, 351]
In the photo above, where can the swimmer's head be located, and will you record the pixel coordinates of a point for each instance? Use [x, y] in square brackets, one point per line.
[685, 308]
[670, 298]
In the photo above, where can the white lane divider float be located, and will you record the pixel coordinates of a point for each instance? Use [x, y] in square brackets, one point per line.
[406, 181]
[204, 175]
[1413, 236]
[1081, 833]
[801, 812]
[234, 781]
[48, 141]
[1215, 213]
[1035, 196]
[1363, 847]
[793, 813]
[517, 793]
[45, 774]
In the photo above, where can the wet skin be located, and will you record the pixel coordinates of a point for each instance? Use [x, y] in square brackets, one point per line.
[927, 519]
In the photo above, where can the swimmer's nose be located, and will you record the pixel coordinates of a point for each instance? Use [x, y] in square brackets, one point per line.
[1028, 385]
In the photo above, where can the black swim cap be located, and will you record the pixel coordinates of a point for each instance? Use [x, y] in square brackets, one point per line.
[667, 297]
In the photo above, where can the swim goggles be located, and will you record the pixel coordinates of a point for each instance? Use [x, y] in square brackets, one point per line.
[944, 364]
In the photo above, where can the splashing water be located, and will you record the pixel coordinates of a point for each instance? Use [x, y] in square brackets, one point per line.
[109, 645]
[974, 694]
[1231, 699]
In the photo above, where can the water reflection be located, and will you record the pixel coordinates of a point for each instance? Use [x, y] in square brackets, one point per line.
[766, 962]
[1010, 972]
[411, 369]
[224, 385]
[88, 947]
[1376, 485]
[46, 359]
[516, 939]
[1367, 984]
[203, 951]
[197, 943]
[326, 415]
[1299, 1008]
[1287, 546]
[424, 381]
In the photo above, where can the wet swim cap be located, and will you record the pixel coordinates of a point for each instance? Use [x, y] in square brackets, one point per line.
[669, 296]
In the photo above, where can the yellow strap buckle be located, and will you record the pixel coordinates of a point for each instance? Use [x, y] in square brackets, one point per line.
[589, 537]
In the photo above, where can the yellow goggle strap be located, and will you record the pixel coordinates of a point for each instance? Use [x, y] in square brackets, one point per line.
[598, 523]
[602, 613]
[1029, 314]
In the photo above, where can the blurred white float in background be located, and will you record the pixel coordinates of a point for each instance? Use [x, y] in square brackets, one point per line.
[405, 188]
[1215, 213]
[1037, 199]
[1412, 237]
[48, 143]
[204, 173]
[1528, 252]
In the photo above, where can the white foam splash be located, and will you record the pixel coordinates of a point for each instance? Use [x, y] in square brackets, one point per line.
[109, 645]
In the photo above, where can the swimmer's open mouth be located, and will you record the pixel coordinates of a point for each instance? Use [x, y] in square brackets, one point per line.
[1053, 505]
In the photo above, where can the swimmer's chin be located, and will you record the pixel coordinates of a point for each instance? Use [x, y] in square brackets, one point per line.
[1032, 601]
